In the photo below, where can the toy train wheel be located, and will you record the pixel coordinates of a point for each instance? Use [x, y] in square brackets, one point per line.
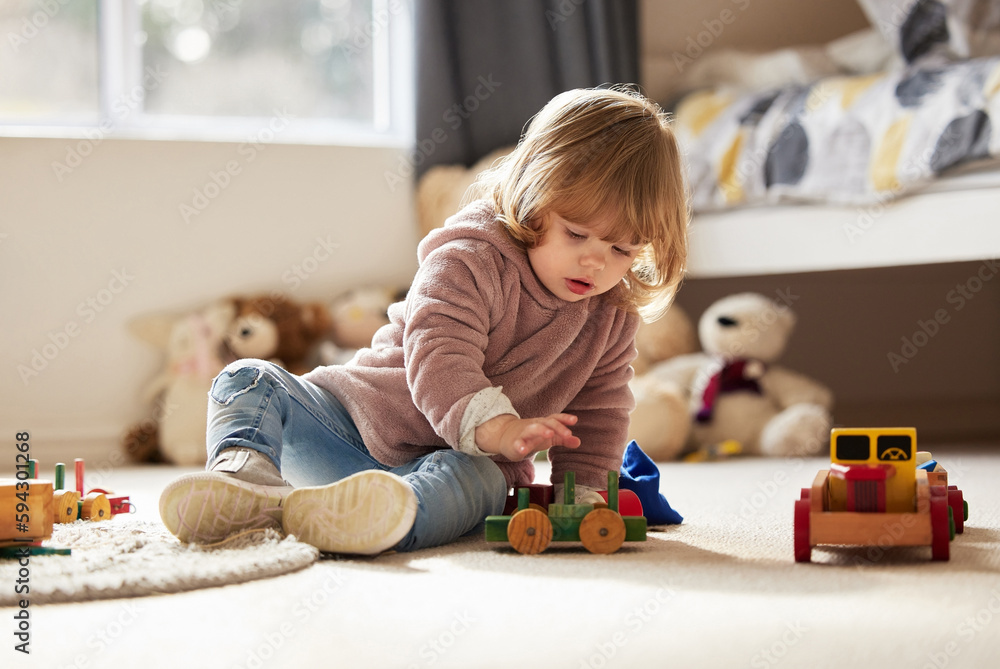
[529, 531]
[65, 506]
[95, 506]
[940, 529]
[602, 531]
[803, 550]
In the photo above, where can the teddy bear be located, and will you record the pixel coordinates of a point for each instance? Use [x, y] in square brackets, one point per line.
[359, 313]
[198, 345]
[732, 390]
[275, 328]
[196, 353]
[441, 189]
[667, 337]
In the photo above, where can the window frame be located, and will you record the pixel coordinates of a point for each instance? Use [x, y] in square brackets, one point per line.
[121, 71]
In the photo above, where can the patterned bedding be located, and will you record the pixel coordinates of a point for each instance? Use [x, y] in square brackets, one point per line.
[853, 139]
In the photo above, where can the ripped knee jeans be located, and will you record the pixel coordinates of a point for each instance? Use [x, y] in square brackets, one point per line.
[312, 439]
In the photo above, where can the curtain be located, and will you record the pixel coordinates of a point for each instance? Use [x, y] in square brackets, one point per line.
[485, 67]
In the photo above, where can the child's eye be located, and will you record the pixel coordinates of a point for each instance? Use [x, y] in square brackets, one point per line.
[619, 250]
[575, 235]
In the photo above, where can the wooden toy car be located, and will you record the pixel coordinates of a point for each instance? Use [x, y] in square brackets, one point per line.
[536, 523]
[875, 494]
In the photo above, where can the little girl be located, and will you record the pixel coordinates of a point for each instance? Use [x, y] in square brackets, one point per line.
[516, 337]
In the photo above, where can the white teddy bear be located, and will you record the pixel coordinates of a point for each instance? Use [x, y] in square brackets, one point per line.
[732, 391]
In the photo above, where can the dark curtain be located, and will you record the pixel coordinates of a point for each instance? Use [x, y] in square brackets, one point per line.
[485, 67]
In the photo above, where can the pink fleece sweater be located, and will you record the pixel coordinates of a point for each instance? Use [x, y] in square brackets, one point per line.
[475, 318]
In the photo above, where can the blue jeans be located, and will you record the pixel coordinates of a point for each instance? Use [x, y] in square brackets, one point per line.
[312, 440]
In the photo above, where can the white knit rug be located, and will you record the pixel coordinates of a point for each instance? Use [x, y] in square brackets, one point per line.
[128, 557]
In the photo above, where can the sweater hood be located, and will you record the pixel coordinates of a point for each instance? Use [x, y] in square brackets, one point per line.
[476, 224]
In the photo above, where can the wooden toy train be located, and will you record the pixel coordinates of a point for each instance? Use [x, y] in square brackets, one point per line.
[29, 507]
[537, 521]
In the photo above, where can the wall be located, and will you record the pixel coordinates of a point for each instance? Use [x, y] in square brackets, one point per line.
[674, 33]
[83, 250]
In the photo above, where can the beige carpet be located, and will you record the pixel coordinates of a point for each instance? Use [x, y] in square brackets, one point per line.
[721, 590]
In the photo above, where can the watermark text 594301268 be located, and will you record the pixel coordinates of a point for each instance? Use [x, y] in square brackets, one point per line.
[20, 507]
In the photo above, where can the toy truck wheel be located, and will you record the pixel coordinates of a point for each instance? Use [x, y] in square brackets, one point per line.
[803, 550]
[957, 503]
[529, 531]
[940, 529]
[602, 531]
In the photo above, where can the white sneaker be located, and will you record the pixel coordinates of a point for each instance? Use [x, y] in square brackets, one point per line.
[243, 491]
[364, 514]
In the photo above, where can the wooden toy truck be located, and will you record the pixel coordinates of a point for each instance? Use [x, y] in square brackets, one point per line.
[532, 526]
[875, 494]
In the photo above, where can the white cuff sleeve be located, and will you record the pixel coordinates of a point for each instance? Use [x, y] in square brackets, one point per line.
[486, 404]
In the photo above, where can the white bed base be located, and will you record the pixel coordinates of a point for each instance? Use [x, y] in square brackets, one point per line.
[938, 225]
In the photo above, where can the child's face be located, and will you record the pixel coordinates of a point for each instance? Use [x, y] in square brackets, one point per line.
[574, 262]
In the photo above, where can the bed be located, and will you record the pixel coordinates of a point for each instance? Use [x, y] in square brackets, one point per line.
[857, 169]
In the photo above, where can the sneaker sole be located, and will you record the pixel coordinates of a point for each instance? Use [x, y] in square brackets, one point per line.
[207, 508]
[364, 514]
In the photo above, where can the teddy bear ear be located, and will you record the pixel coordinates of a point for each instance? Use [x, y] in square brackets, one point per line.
[316, 319]
[220, 314]
[153, 329]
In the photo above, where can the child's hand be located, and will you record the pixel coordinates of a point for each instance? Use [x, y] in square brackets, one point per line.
[519, 438]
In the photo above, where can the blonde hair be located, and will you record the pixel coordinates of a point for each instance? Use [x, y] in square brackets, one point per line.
[597, 152]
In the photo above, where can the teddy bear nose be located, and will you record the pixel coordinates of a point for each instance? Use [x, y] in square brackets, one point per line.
[726, 321]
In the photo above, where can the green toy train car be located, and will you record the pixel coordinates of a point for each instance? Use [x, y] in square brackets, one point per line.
[601, 529]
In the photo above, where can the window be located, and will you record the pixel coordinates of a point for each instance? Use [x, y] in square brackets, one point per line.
[212, 69]
[853, 447]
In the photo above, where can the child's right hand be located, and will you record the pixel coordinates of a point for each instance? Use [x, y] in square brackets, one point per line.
[519, 438]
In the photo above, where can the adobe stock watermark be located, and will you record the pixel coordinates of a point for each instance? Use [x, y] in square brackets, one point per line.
[869, 215]
[436, 647]
[454, 116]
[967, 630]
[362, 36]
[958, 297]
[271, 643]
[604, 651]
[916, 170]
[88, 310]
[301, 271]
[38, 21]
[106, 635]
[121, 108]
[563, 10]
[751, 163]
[769, 489]
[219, 180]
[776, 651]
[697, 44]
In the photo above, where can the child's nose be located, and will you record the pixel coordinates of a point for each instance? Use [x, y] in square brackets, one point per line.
[593, 257]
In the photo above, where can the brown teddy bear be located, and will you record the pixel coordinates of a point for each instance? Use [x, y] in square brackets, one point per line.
[278, 329]
[198, 346]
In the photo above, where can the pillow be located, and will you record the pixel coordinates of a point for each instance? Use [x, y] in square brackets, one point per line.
[953, 29]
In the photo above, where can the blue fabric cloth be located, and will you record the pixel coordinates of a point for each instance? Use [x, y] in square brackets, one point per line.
[641, 475]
